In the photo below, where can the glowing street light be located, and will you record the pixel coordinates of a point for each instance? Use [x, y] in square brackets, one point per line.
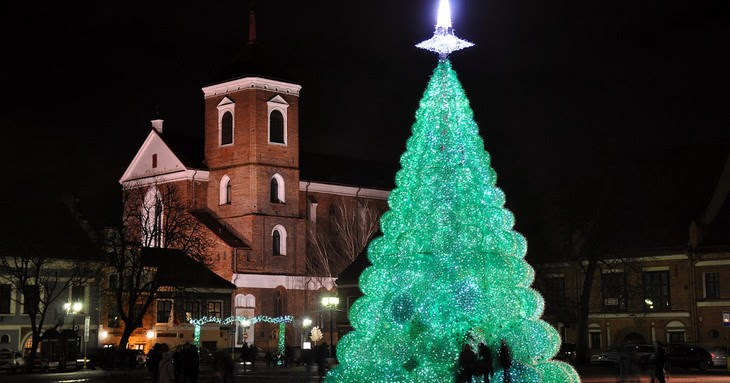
[330, 303]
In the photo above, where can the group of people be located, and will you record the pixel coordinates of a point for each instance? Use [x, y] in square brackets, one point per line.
[181, 365]
[472, 365]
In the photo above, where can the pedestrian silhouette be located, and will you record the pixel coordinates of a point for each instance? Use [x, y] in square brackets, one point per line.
[660, 359]
[485, 364]
[167, 370]
[466, 365]
[191, 363]
[505, 359]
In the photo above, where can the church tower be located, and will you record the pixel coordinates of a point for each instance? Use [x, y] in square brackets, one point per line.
[252, 152]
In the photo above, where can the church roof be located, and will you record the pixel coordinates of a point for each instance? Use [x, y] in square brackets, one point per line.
[347, 171]
[175, 268]
[208, 218]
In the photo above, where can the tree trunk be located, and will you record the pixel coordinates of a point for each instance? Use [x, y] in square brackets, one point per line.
[583, 309]
[125, 336]
[35, 341]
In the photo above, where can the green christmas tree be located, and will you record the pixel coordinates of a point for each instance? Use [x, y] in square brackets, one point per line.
[448, 269]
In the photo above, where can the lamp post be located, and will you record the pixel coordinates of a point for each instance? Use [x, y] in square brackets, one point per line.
[330, 303]
[73, 309]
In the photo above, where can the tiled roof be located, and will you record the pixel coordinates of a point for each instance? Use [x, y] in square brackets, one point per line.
[208, 218]
[347, 171]
[175, 268]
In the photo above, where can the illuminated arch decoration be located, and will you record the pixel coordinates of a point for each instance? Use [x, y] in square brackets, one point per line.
[282, 321]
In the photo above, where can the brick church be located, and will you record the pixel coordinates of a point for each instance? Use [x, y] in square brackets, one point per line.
[264, 216]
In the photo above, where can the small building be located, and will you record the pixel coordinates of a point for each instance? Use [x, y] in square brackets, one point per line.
[188, 290]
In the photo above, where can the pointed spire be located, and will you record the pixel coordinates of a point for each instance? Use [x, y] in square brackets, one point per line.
[252, 25]
[444, 41]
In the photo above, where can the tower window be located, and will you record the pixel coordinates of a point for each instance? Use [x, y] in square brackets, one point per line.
[276, 243]
[278, 240]
[225, 191]
[154, 160]
[277, 189]
[226, 121]
[227, 128]
[276, 127]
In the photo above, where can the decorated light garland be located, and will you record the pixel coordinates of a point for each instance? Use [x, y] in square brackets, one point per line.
[282, 321]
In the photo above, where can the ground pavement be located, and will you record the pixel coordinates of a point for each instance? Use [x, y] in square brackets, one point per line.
[300, 374]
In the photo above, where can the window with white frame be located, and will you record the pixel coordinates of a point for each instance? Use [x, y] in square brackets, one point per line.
[164, 310]
[277, 111]
[277, 189]
[226, 121]
[278, 240]
[675, 332]
[224, 194]
[656, 290]
[594, 336]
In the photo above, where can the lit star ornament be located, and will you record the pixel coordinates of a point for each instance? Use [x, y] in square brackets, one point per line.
[444, 41]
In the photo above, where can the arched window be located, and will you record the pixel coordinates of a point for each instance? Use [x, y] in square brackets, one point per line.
[5, 339]
[277, 189]
[276, 127]
[225, 191]
[227, 128]
[226, 121]
[276, 243]
[675, 331]
[279, 302]
[152, 219]
[278, 240]
[245, 301]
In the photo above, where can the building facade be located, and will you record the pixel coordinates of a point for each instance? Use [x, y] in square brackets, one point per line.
[642, 298]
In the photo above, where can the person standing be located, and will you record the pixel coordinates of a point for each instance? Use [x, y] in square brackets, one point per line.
[485, 362]
[191, 363]
[253, 353]
[505, 358]
[167, 370]
[660, 359]
[467, 362]
[153, 362]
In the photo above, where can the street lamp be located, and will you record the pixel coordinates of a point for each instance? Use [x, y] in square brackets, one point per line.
[73, 308]
[306, 322]
[330, 303]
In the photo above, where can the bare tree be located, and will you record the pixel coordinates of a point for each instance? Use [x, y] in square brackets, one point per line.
[158, 217]
[331, 248]
[43, 266]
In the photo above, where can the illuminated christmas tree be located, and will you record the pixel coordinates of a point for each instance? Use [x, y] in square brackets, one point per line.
[449, 269]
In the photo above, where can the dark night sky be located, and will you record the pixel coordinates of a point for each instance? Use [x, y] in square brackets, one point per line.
[560, 89]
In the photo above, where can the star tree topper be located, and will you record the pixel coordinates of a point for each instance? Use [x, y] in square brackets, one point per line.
[444, 41]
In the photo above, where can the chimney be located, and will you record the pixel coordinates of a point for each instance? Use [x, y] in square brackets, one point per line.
[252, 25]
[157, 125]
